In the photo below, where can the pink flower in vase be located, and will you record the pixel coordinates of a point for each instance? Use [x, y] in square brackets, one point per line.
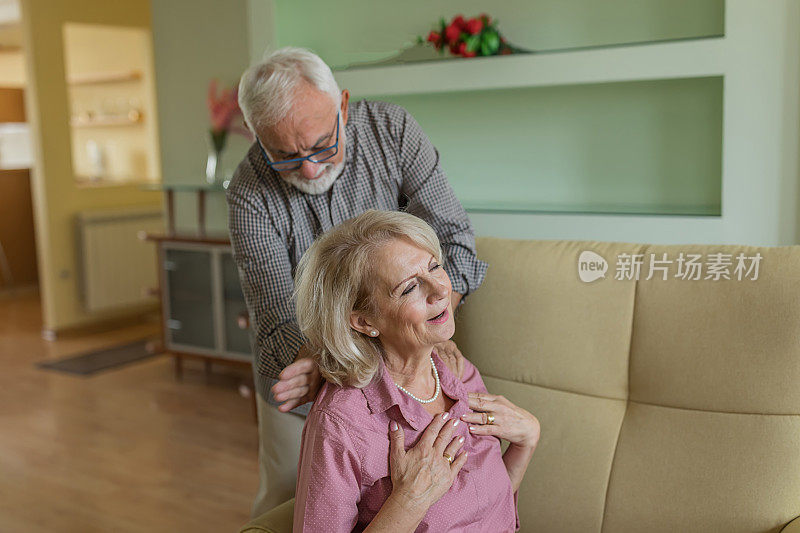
[223, 110]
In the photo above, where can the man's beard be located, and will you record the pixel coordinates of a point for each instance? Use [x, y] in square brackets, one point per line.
[327, 174]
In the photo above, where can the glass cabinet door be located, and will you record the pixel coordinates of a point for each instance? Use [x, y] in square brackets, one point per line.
[189, 285]
[237, 334]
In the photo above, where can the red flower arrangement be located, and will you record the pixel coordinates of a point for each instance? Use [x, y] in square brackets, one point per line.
[223, 110]
[225, 117]
[477, 36]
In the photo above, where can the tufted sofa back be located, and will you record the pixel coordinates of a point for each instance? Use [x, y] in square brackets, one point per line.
[665, 405]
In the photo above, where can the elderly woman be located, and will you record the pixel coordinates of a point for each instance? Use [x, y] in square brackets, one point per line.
[394, 441]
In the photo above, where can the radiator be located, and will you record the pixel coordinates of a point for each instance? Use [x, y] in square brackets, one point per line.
[117, 267]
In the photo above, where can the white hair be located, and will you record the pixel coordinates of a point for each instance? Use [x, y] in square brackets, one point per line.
[266, 89]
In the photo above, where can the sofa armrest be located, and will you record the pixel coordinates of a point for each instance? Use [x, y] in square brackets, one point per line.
[792, 527]
[277, 520]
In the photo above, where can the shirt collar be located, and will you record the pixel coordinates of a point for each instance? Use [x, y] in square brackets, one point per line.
[382, 394]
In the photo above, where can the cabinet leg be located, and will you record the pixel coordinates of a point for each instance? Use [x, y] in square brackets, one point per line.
[247, 389]
[178, 367]
[253, 399]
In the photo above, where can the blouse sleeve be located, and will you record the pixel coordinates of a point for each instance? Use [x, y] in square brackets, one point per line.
[329, 477]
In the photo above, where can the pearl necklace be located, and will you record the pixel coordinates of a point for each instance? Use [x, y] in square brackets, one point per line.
[438, 388]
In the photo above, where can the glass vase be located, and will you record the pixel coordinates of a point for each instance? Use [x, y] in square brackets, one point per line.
[214, 170]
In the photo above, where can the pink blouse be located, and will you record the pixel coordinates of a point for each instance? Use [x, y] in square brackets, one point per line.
[343, 475]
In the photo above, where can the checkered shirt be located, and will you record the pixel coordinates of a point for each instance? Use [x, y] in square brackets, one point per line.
[389, 164]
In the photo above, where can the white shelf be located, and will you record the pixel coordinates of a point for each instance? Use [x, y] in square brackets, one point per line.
[91, 78]
[677, 59]
[121, 120]
[652, 209]
[88, 182]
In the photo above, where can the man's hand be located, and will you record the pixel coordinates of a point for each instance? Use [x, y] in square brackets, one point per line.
[299, 382]
[451, 356]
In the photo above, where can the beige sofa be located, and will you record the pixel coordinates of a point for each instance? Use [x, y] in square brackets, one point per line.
[665, 405]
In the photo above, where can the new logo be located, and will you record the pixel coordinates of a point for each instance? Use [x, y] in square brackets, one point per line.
[591, 266]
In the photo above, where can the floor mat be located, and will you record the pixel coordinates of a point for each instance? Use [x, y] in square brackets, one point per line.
[97, 361]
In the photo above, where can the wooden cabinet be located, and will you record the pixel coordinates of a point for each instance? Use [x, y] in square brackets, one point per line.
[189, 298]
[235, 318]
[18, 265]
[204, 314]
[204, 311]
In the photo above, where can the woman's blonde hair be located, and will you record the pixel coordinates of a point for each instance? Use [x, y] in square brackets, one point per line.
[336, 276]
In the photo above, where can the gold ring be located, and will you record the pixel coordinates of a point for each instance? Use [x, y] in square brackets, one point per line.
[490, 418]
[449, 458]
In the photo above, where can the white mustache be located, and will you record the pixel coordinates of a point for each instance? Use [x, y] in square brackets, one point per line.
[323, 168]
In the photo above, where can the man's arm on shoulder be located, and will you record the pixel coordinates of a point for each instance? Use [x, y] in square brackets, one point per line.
[431, 198]
[265, 273]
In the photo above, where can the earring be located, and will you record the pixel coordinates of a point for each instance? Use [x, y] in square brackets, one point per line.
[373, 333]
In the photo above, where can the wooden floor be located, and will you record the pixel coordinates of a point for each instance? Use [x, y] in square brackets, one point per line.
[130, 449]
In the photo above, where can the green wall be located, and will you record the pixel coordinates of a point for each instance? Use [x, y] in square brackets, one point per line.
[760, 103]
[637, 147]
[643, 147]
[634, 147]
[194, 41]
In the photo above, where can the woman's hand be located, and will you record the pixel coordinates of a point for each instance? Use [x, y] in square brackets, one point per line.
[299, 382]
[422, 475]
[510, 422]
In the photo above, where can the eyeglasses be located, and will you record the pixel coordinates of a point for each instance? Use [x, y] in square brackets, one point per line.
[294, 164]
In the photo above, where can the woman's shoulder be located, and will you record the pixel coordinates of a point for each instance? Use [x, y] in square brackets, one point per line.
[346, 406]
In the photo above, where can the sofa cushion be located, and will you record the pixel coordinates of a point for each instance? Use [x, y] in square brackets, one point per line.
[276, 520]
[534, 321]
[565, 485]
[691, 470]
[725, 345]
[665, 405]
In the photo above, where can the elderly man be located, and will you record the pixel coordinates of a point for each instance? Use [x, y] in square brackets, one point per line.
[317, 161]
